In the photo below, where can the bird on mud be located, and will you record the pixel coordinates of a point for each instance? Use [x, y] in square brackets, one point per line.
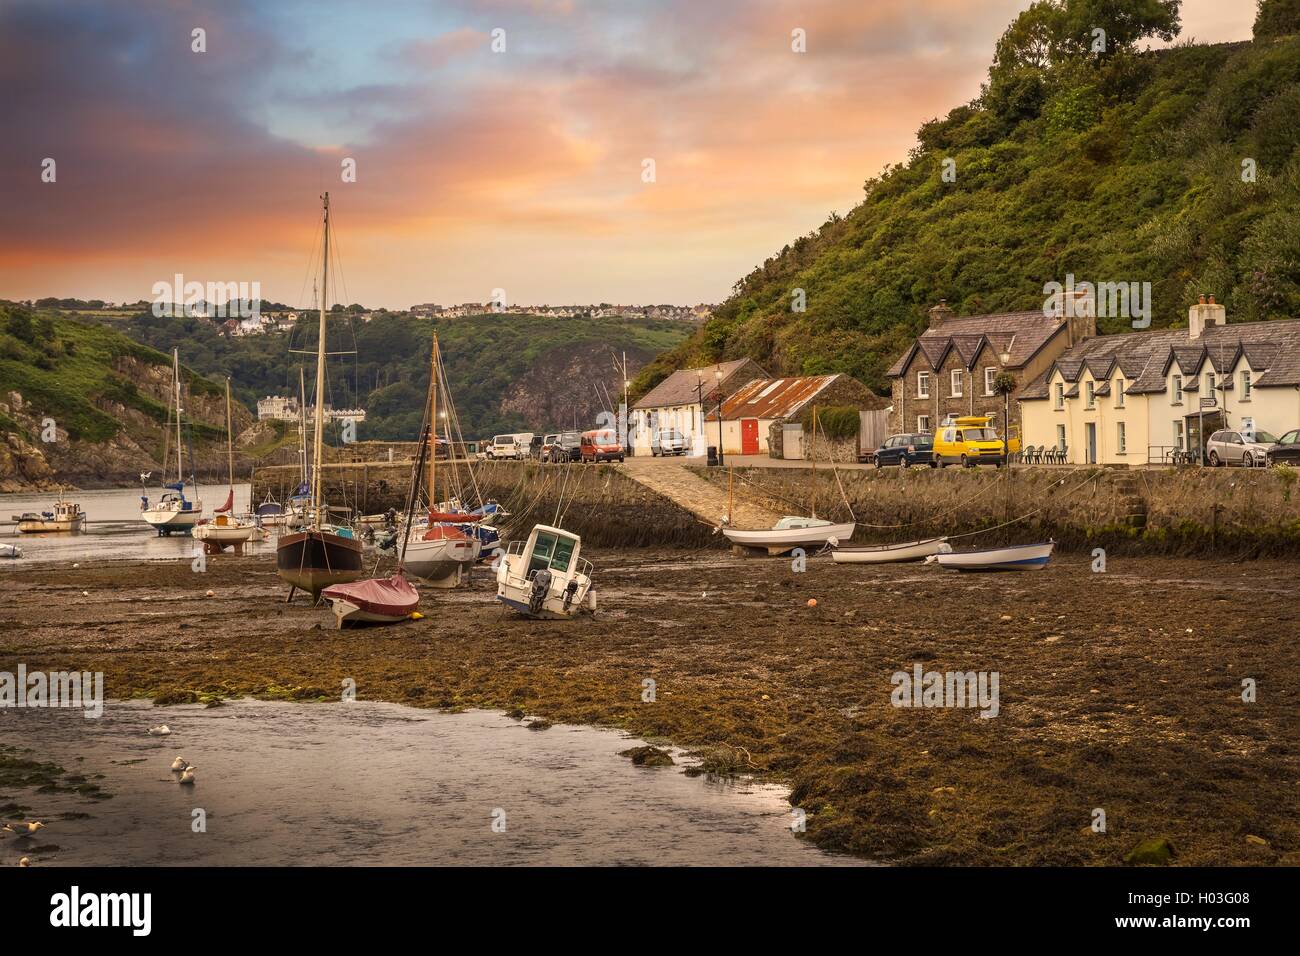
[162, 730]
[22, 829]
[187, 776]
[180, 763]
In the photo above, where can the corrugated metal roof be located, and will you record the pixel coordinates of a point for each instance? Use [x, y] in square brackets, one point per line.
[773, 397]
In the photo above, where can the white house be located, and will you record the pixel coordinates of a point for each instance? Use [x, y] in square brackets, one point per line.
[680, 402]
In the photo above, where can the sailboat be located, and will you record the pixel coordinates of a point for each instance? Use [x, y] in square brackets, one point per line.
[225, 529]
[793, 531]
[173, 512]
[316, 557]
[443, 553]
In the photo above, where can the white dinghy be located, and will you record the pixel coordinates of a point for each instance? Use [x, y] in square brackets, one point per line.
[792, 531]
[1016, 557]
[546, 576]
[889, 553]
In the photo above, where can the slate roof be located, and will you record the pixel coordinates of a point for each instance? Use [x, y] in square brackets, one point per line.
[1271, 349]
[1021, 334]
[681, 387]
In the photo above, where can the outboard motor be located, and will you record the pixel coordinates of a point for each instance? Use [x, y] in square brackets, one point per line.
[541, 585]
[570, 590]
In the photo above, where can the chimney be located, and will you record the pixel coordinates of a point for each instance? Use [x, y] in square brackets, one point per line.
[1204, 314]
[939, 314]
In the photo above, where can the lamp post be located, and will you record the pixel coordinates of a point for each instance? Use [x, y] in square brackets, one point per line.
[718, 376]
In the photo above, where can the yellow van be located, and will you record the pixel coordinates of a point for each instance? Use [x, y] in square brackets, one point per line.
[968, 440]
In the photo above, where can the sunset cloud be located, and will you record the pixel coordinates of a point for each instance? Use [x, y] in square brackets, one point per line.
[476, 169]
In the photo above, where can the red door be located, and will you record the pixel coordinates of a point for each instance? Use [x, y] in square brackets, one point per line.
[749, 436]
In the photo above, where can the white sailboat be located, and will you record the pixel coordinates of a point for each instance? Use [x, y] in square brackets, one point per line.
[225, 529]
[173, 513]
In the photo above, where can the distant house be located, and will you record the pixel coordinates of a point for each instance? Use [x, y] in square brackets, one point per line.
[760, 417]
[950, 368]
[1135, 398]
[679, 401]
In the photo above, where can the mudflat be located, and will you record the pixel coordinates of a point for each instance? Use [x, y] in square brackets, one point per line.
[1120, 692]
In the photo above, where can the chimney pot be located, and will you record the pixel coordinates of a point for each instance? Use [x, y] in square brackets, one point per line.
[1211, 298]
[1203, 298]
[939, 314]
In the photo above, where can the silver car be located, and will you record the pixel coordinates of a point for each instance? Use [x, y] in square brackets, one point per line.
[668, 441]
[1228, 447]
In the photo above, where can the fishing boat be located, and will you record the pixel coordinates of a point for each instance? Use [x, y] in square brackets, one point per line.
[889, 553]
[173, 513]
[319, 555]
[225, 529]
[10, 551]
[64, 516]
[1016, 557]
[546, 576]
[442, 553]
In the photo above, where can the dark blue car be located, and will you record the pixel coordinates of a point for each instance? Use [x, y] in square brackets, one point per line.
[906, 450]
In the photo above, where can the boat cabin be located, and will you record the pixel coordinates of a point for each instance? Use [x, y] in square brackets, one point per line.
[546, 575]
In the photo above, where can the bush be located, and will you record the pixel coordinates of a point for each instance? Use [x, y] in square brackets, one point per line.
[837, 422]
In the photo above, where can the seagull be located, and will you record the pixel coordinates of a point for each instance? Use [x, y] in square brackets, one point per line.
[187, 777]
[180, 763]
[162, 730]
[22, 829]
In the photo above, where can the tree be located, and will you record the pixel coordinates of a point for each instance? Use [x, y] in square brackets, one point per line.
[1277, 18]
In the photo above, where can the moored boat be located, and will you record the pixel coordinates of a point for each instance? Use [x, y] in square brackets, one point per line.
[173, 513]
[1016, 557]
[10, 551]
[376, 601]
[546, 576]
[791, 532]
[65, 516]
[226, 529]
[888, 553]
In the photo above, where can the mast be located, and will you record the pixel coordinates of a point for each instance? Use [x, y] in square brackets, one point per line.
[813, 456]
[230, 444]
[176, 374]
[318, 435]
[433, 424]
[302, 423]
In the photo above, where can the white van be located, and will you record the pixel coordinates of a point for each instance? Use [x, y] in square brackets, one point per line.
[510, 446]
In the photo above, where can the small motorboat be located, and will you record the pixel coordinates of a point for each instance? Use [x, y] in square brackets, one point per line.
[1016, 557]
[546, 577]
[224, 530]
[888, 553]
[10, 551]
[270, 513]
[65, 516]
[375, 601]
[791, 532]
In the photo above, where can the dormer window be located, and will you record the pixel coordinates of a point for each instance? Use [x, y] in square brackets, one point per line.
[989, 375]
[1119, 392]
[1176, 390]
[1090, 394]
[1245, 386]
[922, 384]
[1060, 395]
[956, 383]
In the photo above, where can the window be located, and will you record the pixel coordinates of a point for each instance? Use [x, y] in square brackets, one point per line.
[956, 383]
[1060, 395]
[1210, 382]
[989, 375]
[922, 384]
[1245, 386]
[1119, 392]
[1178, 434]
[1176, 391]
[922, 423]
[1060, 436]
[1090, 391]
[1121, 439]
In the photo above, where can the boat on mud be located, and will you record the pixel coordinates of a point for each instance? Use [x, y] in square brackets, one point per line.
[1016, 557]
[374, 601]
[173, 513]
[890, 553]
[65, 516]
[225, 529]
[546, 576]
[10, 551]
[792, 531]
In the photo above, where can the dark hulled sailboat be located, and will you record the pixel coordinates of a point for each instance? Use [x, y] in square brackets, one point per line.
[318, 556]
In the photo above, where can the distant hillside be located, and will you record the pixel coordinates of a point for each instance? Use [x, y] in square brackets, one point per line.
[1111, 166]
[506, 372]
[107, 397]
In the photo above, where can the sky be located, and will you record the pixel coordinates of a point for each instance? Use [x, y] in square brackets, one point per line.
[523, 169]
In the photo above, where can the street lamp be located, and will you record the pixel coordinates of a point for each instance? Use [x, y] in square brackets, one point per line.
[718, 376]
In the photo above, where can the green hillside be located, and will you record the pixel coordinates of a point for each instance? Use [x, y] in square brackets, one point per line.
[64, 368]
[1111, 166]
[485, 357]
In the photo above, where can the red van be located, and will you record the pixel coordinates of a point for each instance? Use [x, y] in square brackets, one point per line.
[600, 445]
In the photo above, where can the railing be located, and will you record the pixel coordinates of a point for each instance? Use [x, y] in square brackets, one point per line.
[1171, 455]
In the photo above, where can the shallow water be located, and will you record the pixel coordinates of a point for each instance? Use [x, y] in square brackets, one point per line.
[380, 784]
[115, 531]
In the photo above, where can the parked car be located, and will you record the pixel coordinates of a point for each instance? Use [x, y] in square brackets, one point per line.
[601, 445]
[1287, 449]
[669, 441]
[916, 448]
[1228, 447]
[968, 440]
[535, 446]
[510, 446]
[561, 447]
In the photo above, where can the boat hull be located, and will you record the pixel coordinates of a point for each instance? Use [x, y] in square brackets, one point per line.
[779, 541]
[172, 522]
[1025, 557]
[217, 534]
[53, 525]
[373, 602]
[313, 560]
[889, 553]
[441, 561]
